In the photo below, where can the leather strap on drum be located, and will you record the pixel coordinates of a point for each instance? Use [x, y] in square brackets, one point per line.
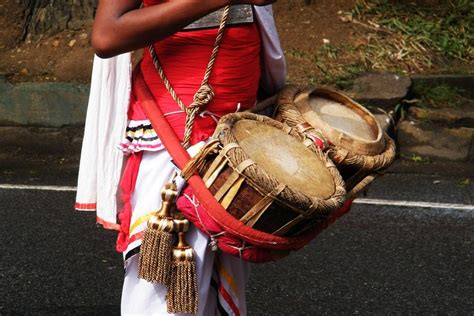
[216, 211]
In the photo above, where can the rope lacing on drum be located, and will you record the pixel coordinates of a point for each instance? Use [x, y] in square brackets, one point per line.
[214, 237]
[240, 249]
[205, 93]
[195, 203]
[213, 243]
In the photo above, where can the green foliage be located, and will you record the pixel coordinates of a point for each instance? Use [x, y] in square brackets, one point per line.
[339, 75]
[400, 111]
[415, 158]
[329, 59]
[398, 37]
[441, 95]
[448, 29]
[329, 51]
[295, 53]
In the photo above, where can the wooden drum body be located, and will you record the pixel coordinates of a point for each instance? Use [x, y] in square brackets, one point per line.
[348, 132]
[263, 175]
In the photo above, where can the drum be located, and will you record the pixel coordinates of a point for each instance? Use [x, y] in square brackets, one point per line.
[263, 174]
[344, 129]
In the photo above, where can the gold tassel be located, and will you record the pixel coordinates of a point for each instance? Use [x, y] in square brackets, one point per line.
[155, 252]
[182, 296]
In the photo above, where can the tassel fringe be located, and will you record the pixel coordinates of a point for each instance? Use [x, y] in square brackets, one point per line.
[154, 264]
[182, 294]
[155, 256]
[175, 267]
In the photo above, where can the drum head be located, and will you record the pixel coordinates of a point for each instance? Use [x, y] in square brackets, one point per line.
[285, 158]
[344, 122]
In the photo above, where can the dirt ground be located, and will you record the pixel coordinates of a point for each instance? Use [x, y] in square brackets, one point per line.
[305, 31]
[67, 56]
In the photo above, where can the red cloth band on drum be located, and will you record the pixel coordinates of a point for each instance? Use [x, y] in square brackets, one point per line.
[233, 244]
[216, 212]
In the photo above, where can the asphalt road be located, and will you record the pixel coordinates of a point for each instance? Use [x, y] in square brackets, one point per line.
[378, 259]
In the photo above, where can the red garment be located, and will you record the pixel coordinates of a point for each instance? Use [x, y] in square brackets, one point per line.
[127, 185]
[184, 57]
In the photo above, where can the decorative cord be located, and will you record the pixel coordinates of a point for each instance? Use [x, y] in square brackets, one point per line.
[205, 93]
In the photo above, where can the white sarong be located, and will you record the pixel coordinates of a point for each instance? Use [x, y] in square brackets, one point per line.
[221, 286]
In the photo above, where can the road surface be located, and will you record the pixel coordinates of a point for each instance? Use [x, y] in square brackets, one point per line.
[405, 248]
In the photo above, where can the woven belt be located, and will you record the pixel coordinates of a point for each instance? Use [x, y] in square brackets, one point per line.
[239, 14]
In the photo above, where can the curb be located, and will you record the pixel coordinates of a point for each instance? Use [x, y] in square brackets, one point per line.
[47, 117]
[43, 104]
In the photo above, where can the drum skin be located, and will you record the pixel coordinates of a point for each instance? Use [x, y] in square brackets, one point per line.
[284, 188]
[344, 129]
[345, 123]
[280, 155]
[293, 213]
[204, 211]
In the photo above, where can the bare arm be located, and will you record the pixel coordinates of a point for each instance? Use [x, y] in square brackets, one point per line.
[122, 26]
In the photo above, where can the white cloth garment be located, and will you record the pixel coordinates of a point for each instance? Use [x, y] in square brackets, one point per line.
[140, 297]
[273, 75]
[106, 121]
[101, 162]
[100, 171]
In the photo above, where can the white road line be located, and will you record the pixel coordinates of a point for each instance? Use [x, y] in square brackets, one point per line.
[381, 202]
[36, 187]
[462, 207]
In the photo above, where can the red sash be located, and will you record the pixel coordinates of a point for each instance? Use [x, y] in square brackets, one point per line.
[214, 209]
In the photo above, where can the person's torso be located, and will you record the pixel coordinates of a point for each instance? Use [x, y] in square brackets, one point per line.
[184, 57]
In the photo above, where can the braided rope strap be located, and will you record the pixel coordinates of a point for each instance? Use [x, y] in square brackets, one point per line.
[205, 93]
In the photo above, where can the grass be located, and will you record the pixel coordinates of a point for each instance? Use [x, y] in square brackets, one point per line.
[440, 96]
[336, 67]
[442, 93]
[399, 38]
[464, 182]
[411, 38]
[295, 53]
[415, 158]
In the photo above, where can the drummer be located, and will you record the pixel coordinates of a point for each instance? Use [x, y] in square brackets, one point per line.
[236, 79]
